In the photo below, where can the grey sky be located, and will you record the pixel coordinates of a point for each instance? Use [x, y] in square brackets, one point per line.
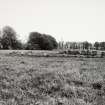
[68, 20]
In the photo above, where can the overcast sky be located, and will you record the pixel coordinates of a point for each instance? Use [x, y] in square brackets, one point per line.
[68, 20]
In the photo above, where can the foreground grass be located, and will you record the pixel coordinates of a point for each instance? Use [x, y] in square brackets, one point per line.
[33, 80]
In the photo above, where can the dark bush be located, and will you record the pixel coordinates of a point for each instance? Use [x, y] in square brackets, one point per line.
[69, 52]
[97, 86]
[73, 52]
[86, 53]
[102, 54]
[39, 41]
[83, 52]
[94, 53]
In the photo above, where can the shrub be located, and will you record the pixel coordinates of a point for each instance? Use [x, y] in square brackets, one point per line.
[73, 52]
[83, 52]
[41, 42]
[102, 54]
[94, 53]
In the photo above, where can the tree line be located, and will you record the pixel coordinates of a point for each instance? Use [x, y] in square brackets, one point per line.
[82, 45]
[37, 41]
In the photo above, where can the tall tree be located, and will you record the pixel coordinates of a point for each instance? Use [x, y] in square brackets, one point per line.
[34, 41]
[41, 42]
[96, 45]
[102, 45]
[86, 45]
[9, 38]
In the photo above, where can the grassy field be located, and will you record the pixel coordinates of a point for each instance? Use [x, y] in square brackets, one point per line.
[31, 80]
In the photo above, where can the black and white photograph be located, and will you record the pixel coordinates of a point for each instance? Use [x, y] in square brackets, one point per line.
[52, 52]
